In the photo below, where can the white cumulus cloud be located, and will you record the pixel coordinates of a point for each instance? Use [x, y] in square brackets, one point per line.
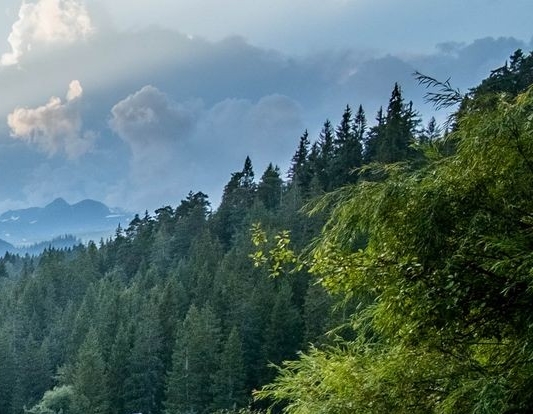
[74, 90]
[46, 22]
[55, 127]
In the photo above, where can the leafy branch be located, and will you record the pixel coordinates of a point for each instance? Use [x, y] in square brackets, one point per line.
[278, 257]
[445, 96]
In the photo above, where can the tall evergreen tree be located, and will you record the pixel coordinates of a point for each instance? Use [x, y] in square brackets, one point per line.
[348, 150]
[195, 359]
[89, 378]
[283, 334]
[324, 162]
[359, 125]
[270, 187]
[237, 197]
[390, 139]
[118, 369]
[144, 385]
[229, 381]
[372, 140]
[7, 371]
[300, 170]
[399, 129]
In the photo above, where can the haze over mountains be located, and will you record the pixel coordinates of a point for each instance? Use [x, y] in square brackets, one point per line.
[85, 220]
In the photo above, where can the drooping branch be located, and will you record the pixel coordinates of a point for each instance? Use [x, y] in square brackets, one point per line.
[445, 95]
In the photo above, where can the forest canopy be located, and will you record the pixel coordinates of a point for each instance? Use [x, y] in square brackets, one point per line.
[396, 272]
[444, 279]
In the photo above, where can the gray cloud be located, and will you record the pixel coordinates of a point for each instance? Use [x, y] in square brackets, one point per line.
[157, 130]
[211, 104]
[308, 26]
[177, 146]
[149, 118]
[264, 129]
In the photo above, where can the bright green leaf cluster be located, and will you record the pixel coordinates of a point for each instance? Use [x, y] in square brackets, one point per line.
[444, 280]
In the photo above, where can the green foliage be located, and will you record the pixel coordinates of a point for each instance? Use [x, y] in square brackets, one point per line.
[229, 387]
[89, 379]
[278, 257]
[270, 188]
[422, 279]
[59, 400]
[194, 361]
[7, 372]
[444, 280]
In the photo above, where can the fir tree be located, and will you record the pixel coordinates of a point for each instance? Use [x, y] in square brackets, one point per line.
[300, 171]
[229, 381]
[269, 190]
[89, 378]
[189, 383]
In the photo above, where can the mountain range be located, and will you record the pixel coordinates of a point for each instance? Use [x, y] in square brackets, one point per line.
[82, 221]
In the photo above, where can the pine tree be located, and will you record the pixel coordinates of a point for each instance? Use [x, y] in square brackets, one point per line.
[229, 381]
[389, 141]
[238, 196]
[393, 145]
[118, 369]
[431, 132]
[89, 378]
[348, 150]
[373, 138]
[144, 385]
[359, 125]
[7, 371]
[270, 188]
[33, 373]
[300, 171]
[317, 313]
[283, 334]
[324, 161]
[189, 383]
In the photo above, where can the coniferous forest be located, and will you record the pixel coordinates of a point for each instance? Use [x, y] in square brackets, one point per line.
[392, 271]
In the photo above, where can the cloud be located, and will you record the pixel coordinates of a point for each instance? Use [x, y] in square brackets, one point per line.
[157, 130]
[266, 130]
[74, 90]
[149, 118]
[54, 127]
[215, 103]
[46, 22]
[176, 146]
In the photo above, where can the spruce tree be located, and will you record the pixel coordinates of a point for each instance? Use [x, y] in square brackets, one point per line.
[195, 359]
[270, 187]
[324, 162]
[7, 371]
[348, 150]
[229, 381]
[300, 170]
[118, 369]
[372, 140]
[144, 385]
[89, 378]
[237, 198]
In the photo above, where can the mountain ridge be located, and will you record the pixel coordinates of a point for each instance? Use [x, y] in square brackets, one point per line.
[86, 220]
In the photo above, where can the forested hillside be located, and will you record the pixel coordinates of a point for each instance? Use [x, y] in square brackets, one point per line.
[417, 260]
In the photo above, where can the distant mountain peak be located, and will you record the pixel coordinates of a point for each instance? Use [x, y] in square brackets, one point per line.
[90, 203]
[85, 220]
[58, 202]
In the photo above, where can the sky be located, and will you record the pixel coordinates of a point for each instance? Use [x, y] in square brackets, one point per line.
[136, 103]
